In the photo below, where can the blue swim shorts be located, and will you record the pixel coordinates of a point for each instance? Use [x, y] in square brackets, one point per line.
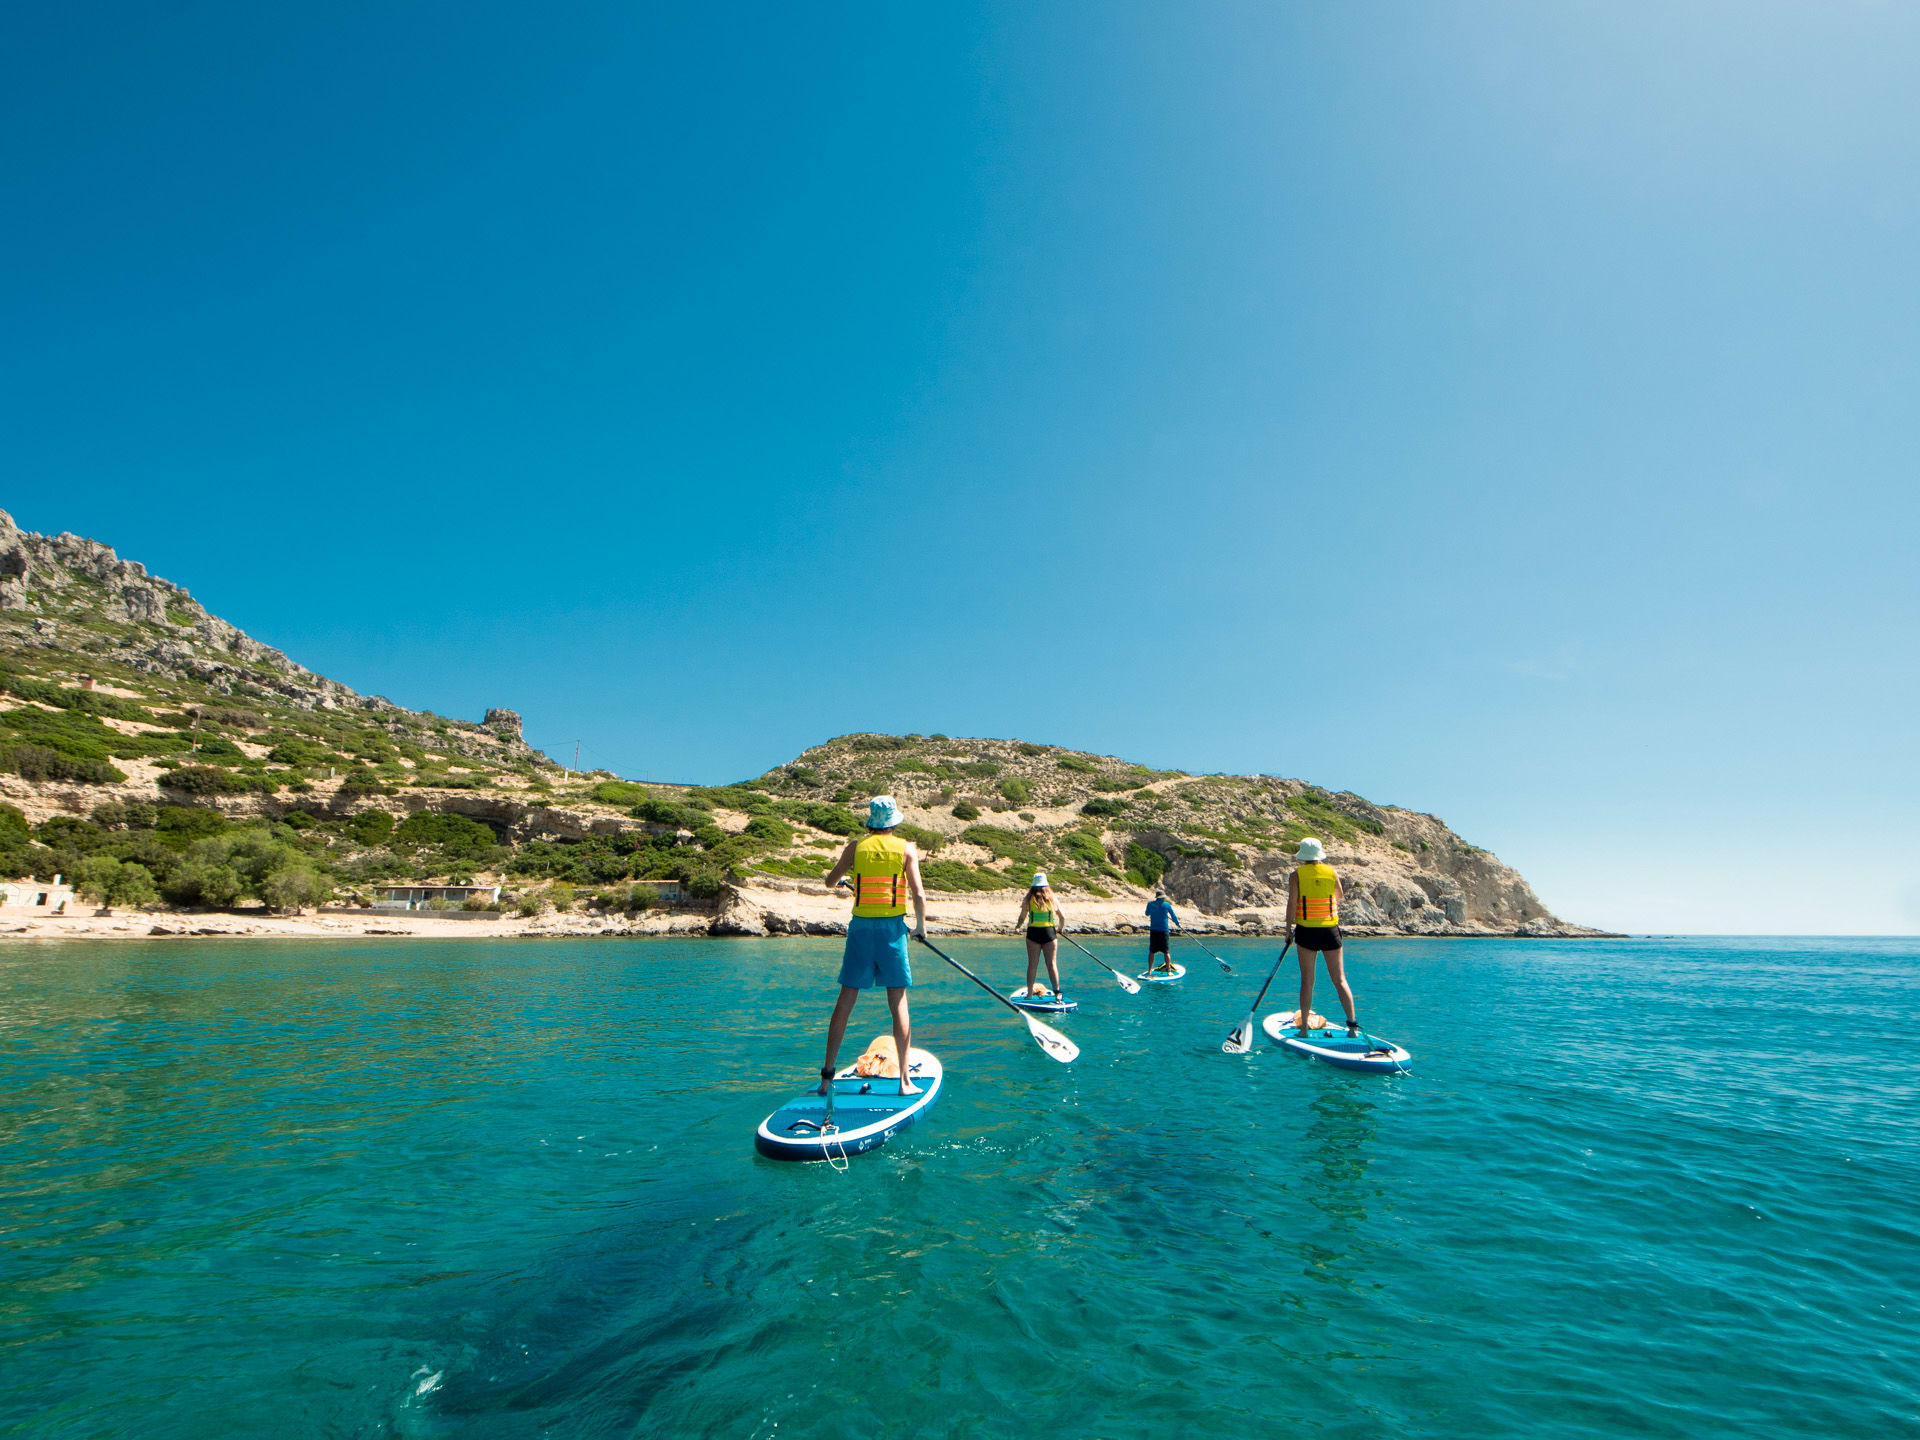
[876, 953]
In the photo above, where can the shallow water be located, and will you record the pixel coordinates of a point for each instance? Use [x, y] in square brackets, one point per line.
[508, 1189]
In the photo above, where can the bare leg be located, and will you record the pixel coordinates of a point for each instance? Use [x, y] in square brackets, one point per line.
[1337, 971]
[837, 1031]
[902, 1036]
[1033, 963]
[1052, 951]
[1307, 962]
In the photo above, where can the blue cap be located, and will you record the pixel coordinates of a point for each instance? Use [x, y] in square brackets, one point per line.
[882, 813]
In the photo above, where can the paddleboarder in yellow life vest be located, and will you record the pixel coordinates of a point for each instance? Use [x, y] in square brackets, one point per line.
[1040, 917]
[1313, 922]
[886, 874]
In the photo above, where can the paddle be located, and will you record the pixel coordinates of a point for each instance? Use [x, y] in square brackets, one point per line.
[1125, 982]
[1191, 941]
[1238, 1042]
[1050, 1040]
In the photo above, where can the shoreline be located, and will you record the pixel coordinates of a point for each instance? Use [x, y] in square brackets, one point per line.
[742, 913]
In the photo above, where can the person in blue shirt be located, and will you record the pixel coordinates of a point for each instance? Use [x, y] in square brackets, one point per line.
[1159, 916]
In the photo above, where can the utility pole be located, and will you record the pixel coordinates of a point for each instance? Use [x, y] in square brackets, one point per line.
[576, 755]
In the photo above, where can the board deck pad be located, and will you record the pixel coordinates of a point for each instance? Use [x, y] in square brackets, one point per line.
[1161, 977]
[1049, 1003]
[869, 1111]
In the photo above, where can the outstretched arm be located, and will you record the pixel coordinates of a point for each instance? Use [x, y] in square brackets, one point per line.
[843, 864]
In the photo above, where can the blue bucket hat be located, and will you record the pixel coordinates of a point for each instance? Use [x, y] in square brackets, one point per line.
[882, 813]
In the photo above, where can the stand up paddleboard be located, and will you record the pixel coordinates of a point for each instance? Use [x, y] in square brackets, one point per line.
[1161, 977]
[867, 1111]
[1332, 1044]
[1049, 1003]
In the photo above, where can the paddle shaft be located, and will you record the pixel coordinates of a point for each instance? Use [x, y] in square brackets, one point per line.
[1086, 952]
[971, 976]
[1263, 989]
[1203, 950]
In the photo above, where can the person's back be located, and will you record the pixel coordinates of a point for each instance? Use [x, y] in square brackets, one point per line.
[1159, 917]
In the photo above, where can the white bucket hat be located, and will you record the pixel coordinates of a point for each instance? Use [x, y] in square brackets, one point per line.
[1039, 879]
[1310, 850]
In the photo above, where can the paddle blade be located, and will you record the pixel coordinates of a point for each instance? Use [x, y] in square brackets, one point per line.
[1241, 1040]
[1057, 1046]
[1125, 982]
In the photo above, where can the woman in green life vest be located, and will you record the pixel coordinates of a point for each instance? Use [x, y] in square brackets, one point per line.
[886, 875]
[1313, 923]
[1040, 917]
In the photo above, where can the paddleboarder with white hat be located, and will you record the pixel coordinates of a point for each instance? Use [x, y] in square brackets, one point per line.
[1041, 918]
[1313, 924]
[886, 875]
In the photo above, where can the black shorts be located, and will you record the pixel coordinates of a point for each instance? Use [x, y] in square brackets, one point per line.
[1040, 934]
[1157, 943]
[1317, 937]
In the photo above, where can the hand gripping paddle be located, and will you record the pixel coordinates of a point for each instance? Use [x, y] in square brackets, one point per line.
[1050, 1040]
[1240, 1041]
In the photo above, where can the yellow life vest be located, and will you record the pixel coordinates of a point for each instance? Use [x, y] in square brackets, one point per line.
[1317, 903]
[1037, 916]
[880, 877]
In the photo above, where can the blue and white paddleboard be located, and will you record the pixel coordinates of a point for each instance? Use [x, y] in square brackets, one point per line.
[1048, 1003]
[1161, 977]
[867, 1112]
[1332, 1044]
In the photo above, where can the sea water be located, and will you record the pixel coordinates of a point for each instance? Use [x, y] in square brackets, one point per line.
[506, 1189]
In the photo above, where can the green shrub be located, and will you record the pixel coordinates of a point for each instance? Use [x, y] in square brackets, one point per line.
[298, 820]
[878, 742]
[560, 895]
[966, 810]
[219, 747]
[619, 792]
[1110, 784]
[1085, 847]
[929, 841]
[729, 797]
[370, 827]
[1144, 866]
[205, 780]
[455, 834]
[35, 762]
[294, 887]
[1099, 807]
[665, 812]
[1075, 763]
[911, 766]
[955, 878]
[14, 829]
[530, 904]
[184, 823]
[1015, 789]
[773, 832]
[91, 702]
[834, 819]
[1029, 749]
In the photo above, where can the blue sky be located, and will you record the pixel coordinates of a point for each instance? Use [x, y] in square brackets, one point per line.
[1504, 411]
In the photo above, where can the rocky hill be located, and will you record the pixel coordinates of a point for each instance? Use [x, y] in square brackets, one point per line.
[166, 758]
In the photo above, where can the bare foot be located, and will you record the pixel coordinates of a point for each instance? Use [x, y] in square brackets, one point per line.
[907, 1087]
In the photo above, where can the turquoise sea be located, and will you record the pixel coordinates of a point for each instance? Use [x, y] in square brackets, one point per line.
[507, 1189]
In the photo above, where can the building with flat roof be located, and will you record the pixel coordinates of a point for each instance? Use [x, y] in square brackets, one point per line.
[36, 897]
[431, 897]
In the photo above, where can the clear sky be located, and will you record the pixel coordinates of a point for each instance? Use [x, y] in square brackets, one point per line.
[1503, 410]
